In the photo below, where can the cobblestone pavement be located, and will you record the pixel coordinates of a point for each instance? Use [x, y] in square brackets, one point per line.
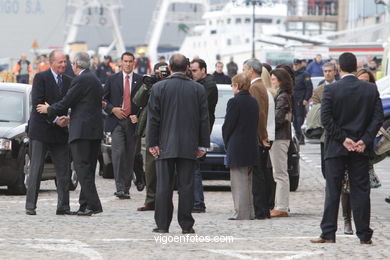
[121, 232]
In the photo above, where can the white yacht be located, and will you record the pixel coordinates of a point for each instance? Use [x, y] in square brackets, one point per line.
[228, 33]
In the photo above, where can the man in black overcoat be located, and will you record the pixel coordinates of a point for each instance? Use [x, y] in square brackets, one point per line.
[177, 134]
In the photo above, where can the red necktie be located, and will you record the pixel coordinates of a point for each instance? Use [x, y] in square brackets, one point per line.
[127, 97]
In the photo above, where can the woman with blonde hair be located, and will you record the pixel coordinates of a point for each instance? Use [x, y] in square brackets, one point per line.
[239, 133]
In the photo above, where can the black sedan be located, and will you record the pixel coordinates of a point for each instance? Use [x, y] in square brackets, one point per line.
[15, 107]
[213, 167]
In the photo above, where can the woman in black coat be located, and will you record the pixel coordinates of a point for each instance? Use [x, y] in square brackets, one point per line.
[240, 137]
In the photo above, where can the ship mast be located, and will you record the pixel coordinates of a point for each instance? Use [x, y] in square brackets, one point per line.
[107, 11]
[162, 16]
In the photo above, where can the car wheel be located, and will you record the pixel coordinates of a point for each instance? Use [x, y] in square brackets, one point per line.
[20, 187]
[386, 126]
[108, 171]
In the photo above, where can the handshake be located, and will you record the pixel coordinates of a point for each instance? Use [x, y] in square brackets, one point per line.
[352, 146]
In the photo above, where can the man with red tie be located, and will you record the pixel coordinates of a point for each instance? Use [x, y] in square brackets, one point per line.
[119, 91]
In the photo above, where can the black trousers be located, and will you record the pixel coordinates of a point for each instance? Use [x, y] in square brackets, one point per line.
[60, 157]
[139, 162]
[85, 155]
[165, 171]
[323, 159]
[270, 184]
[124, 141]
[260, 201]
[357, 166]
[299, 118]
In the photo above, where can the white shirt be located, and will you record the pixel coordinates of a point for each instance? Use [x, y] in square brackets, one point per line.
[349, 74]
[55, 75]
[130, 79]
[124, 83]
[253, 80]
[271, 117]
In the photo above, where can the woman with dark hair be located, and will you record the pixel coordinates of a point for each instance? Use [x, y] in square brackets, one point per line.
[366, 75]
[267, 66]
[290, 71]
[281, 81]
[239, 133]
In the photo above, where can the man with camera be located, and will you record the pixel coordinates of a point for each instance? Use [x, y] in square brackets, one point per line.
[119, 91]
[141, 99]
[199, 74]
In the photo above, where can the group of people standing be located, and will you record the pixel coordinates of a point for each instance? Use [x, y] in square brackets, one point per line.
[179, 120]
[257, 134]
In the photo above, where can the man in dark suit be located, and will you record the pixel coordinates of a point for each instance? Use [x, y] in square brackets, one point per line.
[119, 92]
[49, 134]
[177, 134]
[85, 131]
[352, 114]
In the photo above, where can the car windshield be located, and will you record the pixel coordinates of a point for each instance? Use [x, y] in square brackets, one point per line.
[223, 98]
[11, 106]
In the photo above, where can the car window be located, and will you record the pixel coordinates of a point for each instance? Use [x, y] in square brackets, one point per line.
[223, 98]
[11, 106]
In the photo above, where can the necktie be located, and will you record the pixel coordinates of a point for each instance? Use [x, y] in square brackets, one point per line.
[127, 97]
[59, 83]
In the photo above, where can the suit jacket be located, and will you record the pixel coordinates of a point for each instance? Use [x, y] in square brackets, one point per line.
[178, 120]
[85, 99]
[41, 126]
[239, 130]
[259, 92]
[212, 96]
[113, 95]
[350, 108]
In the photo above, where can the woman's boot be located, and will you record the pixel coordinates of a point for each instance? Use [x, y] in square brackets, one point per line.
[346, 205]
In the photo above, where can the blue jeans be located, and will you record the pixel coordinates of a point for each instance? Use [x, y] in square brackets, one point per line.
[198, 189]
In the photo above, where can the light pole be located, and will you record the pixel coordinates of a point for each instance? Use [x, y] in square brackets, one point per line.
[253, 3]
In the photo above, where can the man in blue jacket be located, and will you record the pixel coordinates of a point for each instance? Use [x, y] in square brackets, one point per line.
[315, 67]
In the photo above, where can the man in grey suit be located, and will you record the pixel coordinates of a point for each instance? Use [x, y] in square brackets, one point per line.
[177, 134]
[49, 134]
[119, 92]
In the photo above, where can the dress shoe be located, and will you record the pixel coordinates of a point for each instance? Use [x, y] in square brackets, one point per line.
[85, 213]
[31, 212]
[194, 210]
[145, 208]
[159, 230]
[232, 218]
[188, 231]
[65, 212]
[122, 195]
[369, 242]
[140, 185]
[387, 199]
[277, 213]
[97, 211]
[321, 240]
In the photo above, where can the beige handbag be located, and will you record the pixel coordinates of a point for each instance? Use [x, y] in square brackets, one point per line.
[382, 142]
